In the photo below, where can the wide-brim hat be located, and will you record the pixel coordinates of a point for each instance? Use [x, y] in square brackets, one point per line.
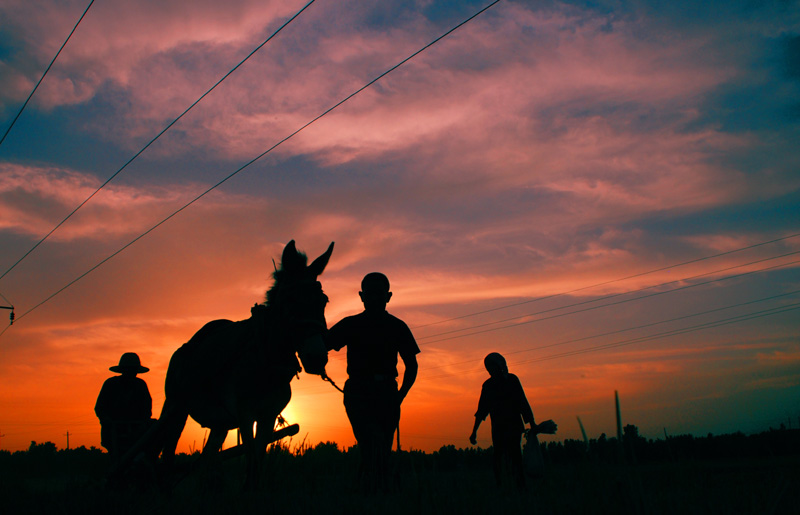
[129, 362]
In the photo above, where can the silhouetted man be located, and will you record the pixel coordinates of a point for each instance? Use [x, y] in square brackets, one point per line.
[374, 339]
[124, 406]
[503, 399]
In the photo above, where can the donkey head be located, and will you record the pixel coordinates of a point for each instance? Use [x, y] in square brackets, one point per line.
[300, 302]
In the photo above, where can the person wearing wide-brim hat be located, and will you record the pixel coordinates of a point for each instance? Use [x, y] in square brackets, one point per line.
[124, 405]
[129, 363]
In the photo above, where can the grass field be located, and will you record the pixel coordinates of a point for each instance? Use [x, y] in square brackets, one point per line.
[320, 480]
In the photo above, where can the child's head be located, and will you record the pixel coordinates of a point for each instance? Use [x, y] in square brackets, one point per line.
[495, 364]
[375, 292]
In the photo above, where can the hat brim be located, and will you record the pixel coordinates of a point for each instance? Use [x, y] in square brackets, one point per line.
[139, 370]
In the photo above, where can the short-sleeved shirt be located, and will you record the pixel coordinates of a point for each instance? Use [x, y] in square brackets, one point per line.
[503, 399]
[125, 399]
[373, 343]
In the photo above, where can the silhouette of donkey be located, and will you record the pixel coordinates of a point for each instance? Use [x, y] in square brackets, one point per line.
[232, 374]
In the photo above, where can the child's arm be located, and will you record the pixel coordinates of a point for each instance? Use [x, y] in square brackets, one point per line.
[473, 438]
[480, 415]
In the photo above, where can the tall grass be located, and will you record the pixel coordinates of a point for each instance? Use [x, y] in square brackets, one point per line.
[583, 432]
[707, 477]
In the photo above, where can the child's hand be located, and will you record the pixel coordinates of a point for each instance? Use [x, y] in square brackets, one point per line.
[547, 427]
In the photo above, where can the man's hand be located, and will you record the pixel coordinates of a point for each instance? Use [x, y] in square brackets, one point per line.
[473, 439]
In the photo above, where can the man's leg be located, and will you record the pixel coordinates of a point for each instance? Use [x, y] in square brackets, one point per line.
[389, 419]
[359, 407]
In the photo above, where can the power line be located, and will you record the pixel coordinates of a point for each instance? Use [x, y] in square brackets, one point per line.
[350, 96]
[656, 336]
[45, 73]
[633, 328]
[708, 325]
[609, 282]
[165, 129]
[608, 305]
[624, 293]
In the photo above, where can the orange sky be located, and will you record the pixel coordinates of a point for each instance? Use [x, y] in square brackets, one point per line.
[59, 364]
[539, 151]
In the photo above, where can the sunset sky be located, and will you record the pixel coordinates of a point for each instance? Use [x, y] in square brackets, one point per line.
[606, 192]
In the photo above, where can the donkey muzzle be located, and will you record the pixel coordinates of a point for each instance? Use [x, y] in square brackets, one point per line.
[313, 355]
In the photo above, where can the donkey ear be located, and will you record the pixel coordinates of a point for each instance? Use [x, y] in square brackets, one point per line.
[289, 255]
[321, 262]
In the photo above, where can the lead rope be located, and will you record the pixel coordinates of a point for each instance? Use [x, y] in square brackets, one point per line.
[325, 377]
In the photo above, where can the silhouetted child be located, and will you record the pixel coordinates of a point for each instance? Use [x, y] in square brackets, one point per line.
[503, 399]
[374, 339]
[124, 406]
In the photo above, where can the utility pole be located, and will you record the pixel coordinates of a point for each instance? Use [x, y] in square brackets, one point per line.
[11, 316]
[67, 435]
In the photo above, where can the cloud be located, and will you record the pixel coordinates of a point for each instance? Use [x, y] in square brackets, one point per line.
[33, 199]
[551, 101]
[114, 39]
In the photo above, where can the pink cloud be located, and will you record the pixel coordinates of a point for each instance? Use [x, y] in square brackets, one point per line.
[115, 38]
[472, 105]
[34, 199]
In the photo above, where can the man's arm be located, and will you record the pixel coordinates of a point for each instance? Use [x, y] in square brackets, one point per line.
[335, 338]
[409, 375]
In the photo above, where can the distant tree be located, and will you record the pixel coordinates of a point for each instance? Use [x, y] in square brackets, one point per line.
[447, 457]
[630, 432]
[324, 450]
[42, 449]
[634, 444]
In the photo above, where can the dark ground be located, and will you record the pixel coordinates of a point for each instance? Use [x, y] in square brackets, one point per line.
[729, 474]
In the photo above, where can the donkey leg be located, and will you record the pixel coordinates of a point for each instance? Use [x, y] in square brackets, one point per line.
[209, 466]
[252, 455]
[172, 421]
[216, 438]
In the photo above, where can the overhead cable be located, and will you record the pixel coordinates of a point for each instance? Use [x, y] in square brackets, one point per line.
[582, 288]
[614, 303]
[613, 295]
[45, 73]
[632, 328]
[657, 336]
[165, 129]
